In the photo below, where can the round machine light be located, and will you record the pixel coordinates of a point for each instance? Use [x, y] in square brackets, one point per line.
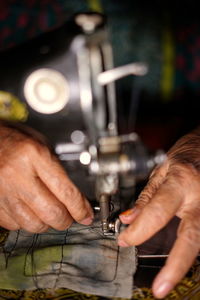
[46, 91]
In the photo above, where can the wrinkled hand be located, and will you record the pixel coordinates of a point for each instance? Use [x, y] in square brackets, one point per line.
[35, 192]
[173, 189]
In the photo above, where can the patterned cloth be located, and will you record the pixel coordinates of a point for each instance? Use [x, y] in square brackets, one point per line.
[80, 258]
[187, 289]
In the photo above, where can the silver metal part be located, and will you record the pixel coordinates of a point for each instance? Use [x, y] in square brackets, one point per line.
[88, 22]
[108, 227]
[68, 148]
[107, 184]
[86, 99]
[96, 208]
[153, 256]
[99, 102]
[46, 91]
[78, 137]
[110, 90]
[117, 225]
[104, 212]
[85, 158]
[138, 69]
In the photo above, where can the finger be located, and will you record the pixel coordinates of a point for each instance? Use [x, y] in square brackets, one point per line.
[55, 178]
[46, 206]
[128, 216]
[24, 216]
[7, 222]
[154, 216]
[156, 179]
[182, 256]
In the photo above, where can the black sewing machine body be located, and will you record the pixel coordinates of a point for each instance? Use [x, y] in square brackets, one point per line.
[50, 50]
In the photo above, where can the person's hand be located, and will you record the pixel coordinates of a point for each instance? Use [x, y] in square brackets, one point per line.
[35, 192]
[173, 189]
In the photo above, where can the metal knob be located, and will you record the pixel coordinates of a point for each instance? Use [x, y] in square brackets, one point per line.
[46, 91]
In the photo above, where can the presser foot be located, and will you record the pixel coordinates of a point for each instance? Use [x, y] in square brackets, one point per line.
[111, 228]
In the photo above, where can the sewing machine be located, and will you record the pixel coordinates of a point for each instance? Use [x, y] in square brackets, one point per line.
[67, 79]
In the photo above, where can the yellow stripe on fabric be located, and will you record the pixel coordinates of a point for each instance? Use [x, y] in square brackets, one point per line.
[95, 5]
[168, 66]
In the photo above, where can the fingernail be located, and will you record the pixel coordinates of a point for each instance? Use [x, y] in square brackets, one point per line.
[121, 243]
[130, 212]
[87, 221]
[163, 289]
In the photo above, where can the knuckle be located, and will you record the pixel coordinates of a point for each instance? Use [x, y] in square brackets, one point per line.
[33, 227]
[57, 215]
[73, 194]
[148, 192]
[157, 213]
[26, 146]
[192, 237]
[30, 149]
[26, 219]
[76, 203]
[182, 174]
[144, 197]
[189, 231]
